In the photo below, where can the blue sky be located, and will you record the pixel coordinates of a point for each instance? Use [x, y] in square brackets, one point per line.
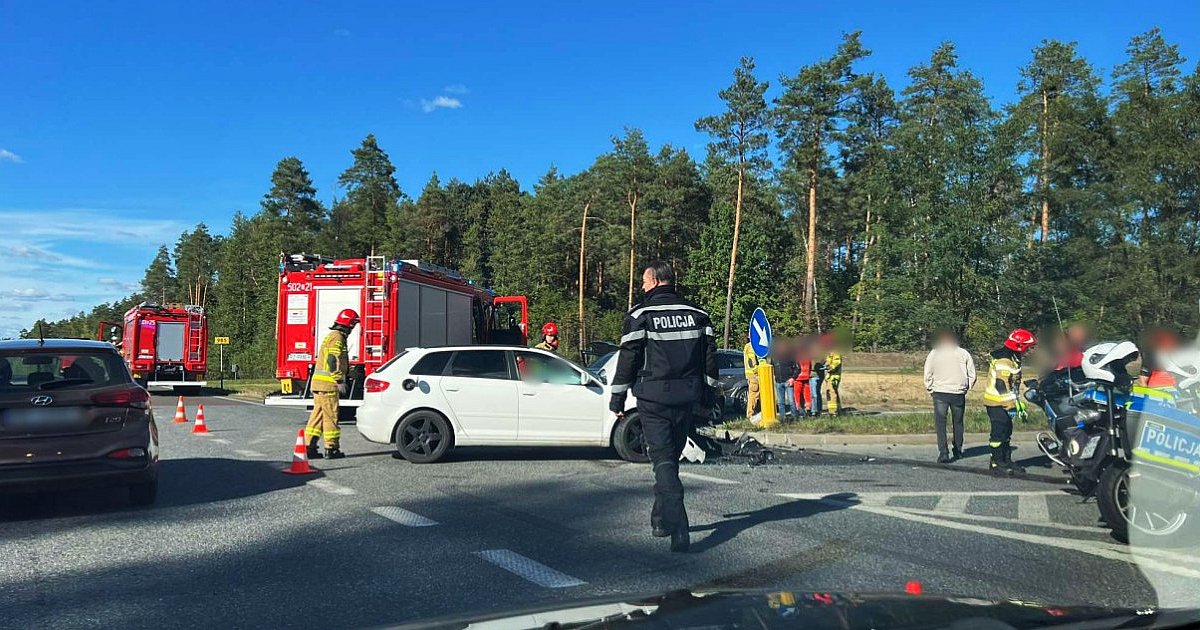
[122, 123]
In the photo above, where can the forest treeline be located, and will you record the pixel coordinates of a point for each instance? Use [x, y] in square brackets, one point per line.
[825, 196]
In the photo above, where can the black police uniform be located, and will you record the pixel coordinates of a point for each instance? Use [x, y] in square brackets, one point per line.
[668, 357]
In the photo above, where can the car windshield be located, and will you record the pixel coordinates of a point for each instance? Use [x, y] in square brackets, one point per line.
[27, 371]
[354, 314]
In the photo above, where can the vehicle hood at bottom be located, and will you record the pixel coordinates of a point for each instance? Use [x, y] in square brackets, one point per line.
[784, 609]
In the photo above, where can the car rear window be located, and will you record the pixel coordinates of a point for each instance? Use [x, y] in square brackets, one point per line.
[432, 364]
[66, 369]
[480, 364]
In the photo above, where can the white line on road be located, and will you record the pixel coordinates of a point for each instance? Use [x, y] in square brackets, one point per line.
[1100, 550]
[707, 478]
[331, 487]
[1003, 520]
[952, 503]
[249, 453]
[221, 441]
[244, 402]
[535, 572]
[1033, 509]
[403, 516]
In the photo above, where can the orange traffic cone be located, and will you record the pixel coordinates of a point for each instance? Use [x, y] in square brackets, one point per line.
[300, 458]
[180, 417]
[200, 427]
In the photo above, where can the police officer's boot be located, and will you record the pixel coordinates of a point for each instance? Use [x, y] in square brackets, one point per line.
[656, 528]
[334, 453]
[314, 451]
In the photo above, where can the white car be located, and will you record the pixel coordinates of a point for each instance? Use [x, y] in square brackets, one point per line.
[428, 400]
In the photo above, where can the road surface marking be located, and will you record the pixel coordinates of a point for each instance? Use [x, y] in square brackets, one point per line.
[244, 402]
[1003, 520]
[1033, 509]
[952, 503]
[707, 478]
[221, 440]
[331, 487]
[249, 453]
[403, 516]
[1100, 550]
[535, 572]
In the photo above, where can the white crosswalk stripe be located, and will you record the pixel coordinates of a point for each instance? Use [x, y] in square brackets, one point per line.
[952, 503]
[403, 516]
[1032, 508]
[531, 570]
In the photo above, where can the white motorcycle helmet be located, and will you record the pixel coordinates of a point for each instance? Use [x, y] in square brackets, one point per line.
[1100, 360]
[1184, 364]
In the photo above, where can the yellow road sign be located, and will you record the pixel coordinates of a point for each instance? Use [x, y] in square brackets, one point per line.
[221, 341]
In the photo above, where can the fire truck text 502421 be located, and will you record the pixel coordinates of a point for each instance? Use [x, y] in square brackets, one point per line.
[299, 286]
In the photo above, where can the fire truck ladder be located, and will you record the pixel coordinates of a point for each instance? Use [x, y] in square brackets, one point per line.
[373, 333]
[196, 339]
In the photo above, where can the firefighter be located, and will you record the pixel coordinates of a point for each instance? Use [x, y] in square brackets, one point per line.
[329, 378]
[1002, 397]
[750, 363]
[549, 338]
[833, 378]
[668, 356]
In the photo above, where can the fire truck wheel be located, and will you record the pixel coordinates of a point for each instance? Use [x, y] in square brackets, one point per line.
[423, 437]
[628, 440]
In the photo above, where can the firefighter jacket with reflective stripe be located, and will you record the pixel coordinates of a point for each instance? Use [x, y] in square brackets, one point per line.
[750, 362]
[833, 364]
[668, 352]
[332, 361]
[1004, 379]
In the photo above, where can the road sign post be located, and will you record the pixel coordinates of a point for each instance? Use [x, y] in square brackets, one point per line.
[221, 342]
[760, 342]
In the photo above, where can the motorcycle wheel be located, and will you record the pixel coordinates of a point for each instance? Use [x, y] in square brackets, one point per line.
[1149, 527]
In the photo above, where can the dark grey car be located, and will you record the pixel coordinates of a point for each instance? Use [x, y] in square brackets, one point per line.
[731, 377]
[71, 416]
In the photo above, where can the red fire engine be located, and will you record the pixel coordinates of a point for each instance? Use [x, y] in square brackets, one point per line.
[402, 303]
[166, 346]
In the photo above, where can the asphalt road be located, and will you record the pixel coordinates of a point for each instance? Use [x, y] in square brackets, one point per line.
[373, 540]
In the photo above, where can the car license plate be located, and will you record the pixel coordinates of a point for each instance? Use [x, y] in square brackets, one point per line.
[43, 420]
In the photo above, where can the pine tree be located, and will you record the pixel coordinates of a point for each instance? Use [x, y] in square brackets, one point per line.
[372, 195]
[160, 284]
[740, 137]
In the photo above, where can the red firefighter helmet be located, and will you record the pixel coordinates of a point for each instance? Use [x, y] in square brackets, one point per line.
[550, 329]
[1020, 340]
[346, 318]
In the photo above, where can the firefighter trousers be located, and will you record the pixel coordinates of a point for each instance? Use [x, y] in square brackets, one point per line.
[665, 429]
[323, 422]
[832, 386]
[1002, 427]
[751, 396]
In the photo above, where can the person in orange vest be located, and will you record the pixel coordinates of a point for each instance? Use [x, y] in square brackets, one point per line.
[1153, 376]
[549, 338]
[329, 377]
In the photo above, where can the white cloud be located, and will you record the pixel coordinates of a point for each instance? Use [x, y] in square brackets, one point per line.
[116, 227]
[456, 88]
[9, 156]
[33, 253]
[124, 286]
[440, 102]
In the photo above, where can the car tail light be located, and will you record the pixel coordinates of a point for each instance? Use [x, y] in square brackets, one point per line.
[128, 453]
[128, 397]
[375, 386]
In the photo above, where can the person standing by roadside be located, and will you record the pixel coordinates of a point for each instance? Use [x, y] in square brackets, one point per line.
[328, 381]
[1002, 397]
[668, 357]
[949, 375]
[802, 377]
[785, 369]
[750, 364]
[833, 375]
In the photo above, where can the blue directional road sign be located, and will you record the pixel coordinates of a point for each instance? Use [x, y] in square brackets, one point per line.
[760, 333]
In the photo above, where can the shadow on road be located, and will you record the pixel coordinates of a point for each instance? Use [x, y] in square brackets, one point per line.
[505, 454]
[182, 482]
[724, 531]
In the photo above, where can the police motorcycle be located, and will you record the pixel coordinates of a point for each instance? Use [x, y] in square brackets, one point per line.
[1132, 448]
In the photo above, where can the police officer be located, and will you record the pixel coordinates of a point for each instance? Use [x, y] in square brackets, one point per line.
[549, 338]
[668, 356]
[328, 379]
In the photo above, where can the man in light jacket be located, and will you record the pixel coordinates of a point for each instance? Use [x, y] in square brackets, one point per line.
[949, 375]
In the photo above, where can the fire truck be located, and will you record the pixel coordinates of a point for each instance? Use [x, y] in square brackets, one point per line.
[402, 303]
[165, 345]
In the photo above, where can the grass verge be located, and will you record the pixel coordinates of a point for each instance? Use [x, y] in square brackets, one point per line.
[880, 424]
